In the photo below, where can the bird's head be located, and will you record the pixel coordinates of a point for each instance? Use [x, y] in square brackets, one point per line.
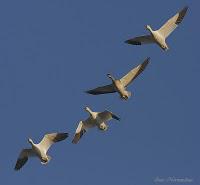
[110, 76]
[148, 27]
[30, 140]
[87, 109]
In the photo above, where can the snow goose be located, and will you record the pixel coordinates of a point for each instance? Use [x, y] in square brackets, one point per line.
[159, 36]
[39, 150]
[121, 84]
[96, 119]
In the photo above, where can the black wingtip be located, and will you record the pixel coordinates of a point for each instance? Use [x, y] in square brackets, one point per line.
[74, 142]
[186, 7]
[132, 42]
[64, 135]
[116, 117]
[91, 92]
[87, 92]
[147, 60]
[17, 168]
[127, 41]
[184, 10]
[61, 137]
[182, 14]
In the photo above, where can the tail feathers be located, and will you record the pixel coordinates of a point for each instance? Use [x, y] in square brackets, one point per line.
[44, 162]
[126, 95]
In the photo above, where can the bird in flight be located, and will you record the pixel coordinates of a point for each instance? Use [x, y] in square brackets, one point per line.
[120, 85]
[159, 36]
[96, 119]
[39, 150]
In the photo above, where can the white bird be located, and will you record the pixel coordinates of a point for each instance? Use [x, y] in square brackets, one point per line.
[39, 150]
[120, 85]
[159, 36]
[96, 119]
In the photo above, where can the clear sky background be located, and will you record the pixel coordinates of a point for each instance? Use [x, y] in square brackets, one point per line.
[52, 51]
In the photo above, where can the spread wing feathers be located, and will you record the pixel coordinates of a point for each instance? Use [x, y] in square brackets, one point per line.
[107, 115]
[102, 90]
[23, 158]
[50, 139]
[128, 78]
[172, 23]
[146, 39]
[81, 129]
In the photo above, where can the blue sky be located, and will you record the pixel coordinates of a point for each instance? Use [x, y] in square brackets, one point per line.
[52, 51]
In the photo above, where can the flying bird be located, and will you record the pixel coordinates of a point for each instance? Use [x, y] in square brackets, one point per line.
[96, 119]
[39, 150]
[121, 84]
[159, 36]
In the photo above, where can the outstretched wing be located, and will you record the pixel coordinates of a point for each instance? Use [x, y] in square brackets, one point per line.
[82, 128]
[172, 23]
[79, 132]
[131, 75]
[50, 139]
[23, 158]
[102, 90]
[107, 115]
[146, 39]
